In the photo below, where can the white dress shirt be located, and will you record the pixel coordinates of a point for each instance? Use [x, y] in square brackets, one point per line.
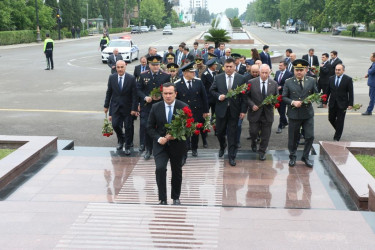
[166, 105]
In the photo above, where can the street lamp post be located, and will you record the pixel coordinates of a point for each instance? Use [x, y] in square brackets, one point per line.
[38, 39]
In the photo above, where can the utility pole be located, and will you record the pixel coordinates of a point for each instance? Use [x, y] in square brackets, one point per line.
[37, 23]
[125, 17]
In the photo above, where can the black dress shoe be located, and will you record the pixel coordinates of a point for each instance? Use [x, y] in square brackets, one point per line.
[262, 156]
[163, 203]
[194, 152]
[176, 202]
[205, 145]
[292, 162]
[120, 146]
[254, 147]
[279, 131]
[183, 160]
[232, 162]
[46, 69]
[221, 152]
[147, 155]
[127, 151]
[248, 138]
[366, 113]
[141, 148]
[284, 125]
[307, 162]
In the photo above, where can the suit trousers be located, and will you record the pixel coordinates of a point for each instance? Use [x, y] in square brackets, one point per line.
[336, 117]
[264, 127]
[227, 126]
[294, 135]
[120, 121]
[144, 138]
[130, 120]
[161, 161]
[49, 59]
[372, 99]
[283, 120]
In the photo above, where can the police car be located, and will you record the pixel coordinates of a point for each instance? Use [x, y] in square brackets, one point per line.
[128, 50]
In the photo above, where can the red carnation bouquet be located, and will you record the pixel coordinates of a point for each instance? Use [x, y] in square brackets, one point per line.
[156, 93]
[107, 129]
[183, 125]
[272, 100]
[316, 97]
[242, 89]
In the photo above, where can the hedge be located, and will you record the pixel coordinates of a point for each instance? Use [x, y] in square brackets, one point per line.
[358, 34]
[25, 36]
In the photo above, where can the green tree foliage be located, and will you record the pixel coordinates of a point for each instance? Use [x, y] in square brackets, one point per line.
[232, 12]
[236, 23]
[217, 36]
[153, 11]
[67, 16]
[202, 16]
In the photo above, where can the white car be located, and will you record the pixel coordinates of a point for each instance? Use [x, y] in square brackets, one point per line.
[126, 48]
[361, 29]
[167, 30]
[290, 29]
[144, 28]
[267, 25]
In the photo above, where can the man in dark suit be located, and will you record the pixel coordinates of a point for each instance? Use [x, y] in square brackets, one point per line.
[240, 68]
[143, 67]
[191, 91]
[146, 83]
[187, 55]
[206, 56]
[228, 110]
[179, 54]
[261, 118]
[311, 58]
[341, 98]
[265, 57]
[334, 61]
[207, 80]
[121, 95]
[280, 77]
[371, 83]
[290, 67]
[227, 54]
[324, 74]
[296, 89]
[152, 51]
[219, 52]
[287, 55]
[165, 146]
[112, 59]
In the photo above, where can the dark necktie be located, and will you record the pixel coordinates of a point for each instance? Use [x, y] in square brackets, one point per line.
[170, 114]
[120, 83]
[142, 68]
[300, 84]
[280, 77]
[337, 82]
[264, 90]
[189, 82]
[154, 75]
[229, 82]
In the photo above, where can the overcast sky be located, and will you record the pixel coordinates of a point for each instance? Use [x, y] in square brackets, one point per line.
[217, 6]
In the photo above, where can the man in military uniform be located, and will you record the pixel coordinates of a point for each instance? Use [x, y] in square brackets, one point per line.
[169, 59]
[199, 66]
[296, 89]
[173, 70]
[147, 82]
[207, 79]
[191, 91]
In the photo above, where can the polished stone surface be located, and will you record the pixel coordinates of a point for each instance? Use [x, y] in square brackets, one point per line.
[99, 198]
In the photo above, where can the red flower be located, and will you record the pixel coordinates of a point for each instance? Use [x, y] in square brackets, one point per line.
[208, 131]
[324, 97]
[190, 114]
[186, 110]
[243, 91]
[214, 127]
[199, 125]
[280, 98]
[248, 88]
[196, 132]
[189, 120]
[188, 124]
[161, 88]
[249, 85]
[277, 105]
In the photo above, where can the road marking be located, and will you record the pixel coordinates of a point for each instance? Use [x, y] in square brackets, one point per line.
[52, 111]
[70, 63]
[257, 38]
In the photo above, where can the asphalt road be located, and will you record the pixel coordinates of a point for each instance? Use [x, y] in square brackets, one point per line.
[68, 101]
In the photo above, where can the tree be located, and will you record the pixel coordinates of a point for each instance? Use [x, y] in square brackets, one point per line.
[6, 22]
[217, 36]
[232, 12]
[153, 11]
[236, 23]
[76, 12]
[66, 8]
[202, 16]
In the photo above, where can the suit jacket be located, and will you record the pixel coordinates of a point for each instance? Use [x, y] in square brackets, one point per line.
[237, 105]
[315, 60]
[371, 75]
[293, 92]
[189, 56]
[196, 97]
[137, 71]
[285, 76]
[242, 69]
[341, 96]
[207, 80]
[324, 74]
[199, 52]
[254, 97]
[333, 65]
[177, 55]
[217, 52]
[290, 68]
[265, 58]
[123, 101]
[223, 58]
[112, 62]
[156, 127]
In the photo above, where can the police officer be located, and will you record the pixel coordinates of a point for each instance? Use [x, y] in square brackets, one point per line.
[147, 82]
[296, 89]
[219, 68]
[103, 42]
[173, 70]
[207, 79]
[191, 91]
[48, 51]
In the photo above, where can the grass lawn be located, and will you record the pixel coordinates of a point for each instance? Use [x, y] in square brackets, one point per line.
[247, 52]
[368, 162]
[5, 152]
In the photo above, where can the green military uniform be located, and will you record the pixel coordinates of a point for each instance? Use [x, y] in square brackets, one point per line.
[302, 116]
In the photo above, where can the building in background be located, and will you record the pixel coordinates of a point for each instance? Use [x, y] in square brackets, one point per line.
[187, 8]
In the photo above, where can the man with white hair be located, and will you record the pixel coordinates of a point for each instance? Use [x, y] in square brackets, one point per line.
[261, 116]
[112, 59]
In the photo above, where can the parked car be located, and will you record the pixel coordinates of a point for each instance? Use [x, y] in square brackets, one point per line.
[144, 28]
[167, 30]
[260, 24]
[337, 30]
[361, 28]
[192, 25]
[267, 25]
[128, 50]
[152, 28]
[290, 29]
[325, 30]
[135, 30]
